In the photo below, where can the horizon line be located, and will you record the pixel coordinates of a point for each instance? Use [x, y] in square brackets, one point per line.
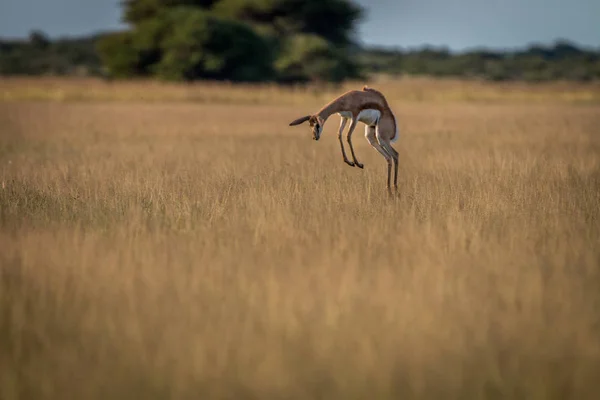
[361, 43]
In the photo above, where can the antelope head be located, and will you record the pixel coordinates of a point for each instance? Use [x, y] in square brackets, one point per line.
[315, 122]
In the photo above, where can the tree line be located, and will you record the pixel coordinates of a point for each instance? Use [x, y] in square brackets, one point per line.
[561, 60]
[284, 41]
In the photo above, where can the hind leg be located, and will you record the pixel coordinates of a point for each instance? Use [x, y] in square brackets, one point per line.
[371, 138]
[384, 142]
[390, 150]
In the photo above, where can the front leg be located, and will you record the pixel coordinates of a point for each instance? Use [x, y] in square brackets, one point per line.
[342, 126]
[349, 138]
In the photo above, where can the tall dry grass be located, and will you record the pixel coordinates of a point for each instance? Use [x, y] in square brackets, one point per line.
[413, 90]
[177, 250]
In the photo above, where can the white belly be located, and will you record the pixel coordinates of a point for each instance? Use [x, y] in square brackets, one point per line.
[367, 116]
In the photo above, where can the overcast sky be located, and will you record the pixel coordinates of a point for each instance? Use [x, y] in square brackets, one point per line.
[458, 24]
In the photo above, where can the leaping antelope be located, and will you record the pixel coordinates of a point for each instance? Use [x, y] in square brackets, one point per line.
[370, 107]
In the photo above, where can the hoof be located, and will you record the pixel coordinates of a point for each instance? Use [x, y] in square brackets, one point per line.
[350, 163]
[359, 165]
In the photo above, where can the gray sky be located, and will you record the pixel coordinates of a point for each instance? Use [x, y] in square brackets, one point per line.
[458, 24]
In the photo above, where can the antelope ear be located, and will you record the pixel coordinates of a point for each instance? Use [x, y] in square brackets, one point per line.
[300, 120]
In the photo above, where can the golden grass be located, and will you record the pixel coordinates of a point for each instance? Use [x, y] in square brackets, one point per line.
[411, 90]
[185, 250]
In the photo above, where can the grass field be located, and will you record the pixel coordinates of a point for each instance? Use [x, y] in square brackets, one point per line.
[184, 242]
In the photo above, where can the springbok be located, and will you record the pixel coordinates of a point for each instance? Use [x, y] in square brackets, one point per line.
[370, 107]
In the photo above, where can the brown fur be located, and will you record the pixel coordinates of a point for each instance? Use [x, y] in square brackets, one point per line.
[354, 101]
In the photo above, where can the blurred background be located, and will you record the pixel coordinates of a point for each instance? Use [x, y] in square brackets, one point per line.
[294, 41]
[164, 234]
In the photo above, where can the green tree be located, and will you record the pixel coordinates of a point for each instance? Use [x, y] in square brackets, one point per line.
[308, 57]
[117, 56]
[239, 40]
[333, 20]
[136, 11]
[200, 44]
